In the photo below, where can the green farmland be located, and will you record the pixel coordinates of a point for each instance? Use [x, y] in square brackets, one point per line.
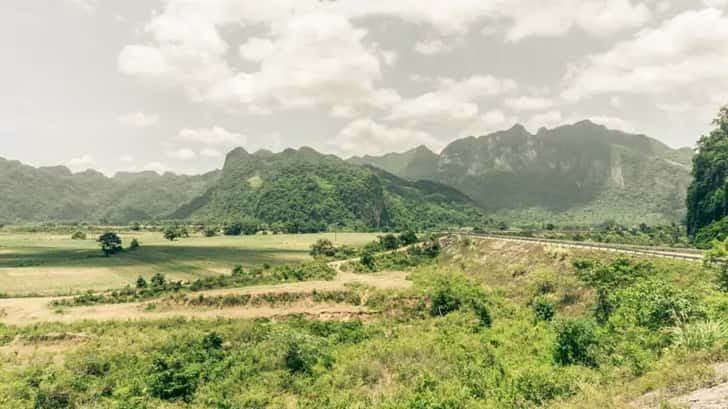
[47, 264]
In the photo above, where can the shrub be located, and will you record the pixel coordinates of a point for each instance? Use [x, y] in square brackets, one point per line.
[389, 241]
[158, 281]
[543, 309]
[539, 386]
[699, 335]
[53, 399]
[367, 260]
[210, 231]
[407, 238]
[576, 340]
[444, 301]
[653, 305]
[323, 248]
[171, 378]
[141, 282]
[134, 244]
[110, 243]
[79, 235]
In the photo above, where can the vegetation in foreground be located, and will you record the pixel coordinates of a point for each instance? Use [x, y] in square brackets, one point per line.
[565, 330]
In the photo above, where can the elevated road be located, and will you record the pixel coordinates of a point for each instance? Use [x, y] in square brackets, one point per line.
[666, 252]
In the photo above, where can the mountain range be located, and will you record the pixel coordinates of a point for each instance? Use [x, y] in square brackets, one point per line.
[582, 173]
[575, 174]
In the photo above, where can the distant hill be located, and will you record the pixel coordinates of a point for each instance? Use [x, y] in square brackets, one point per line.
[581, 173]
[54, 194]
[313, 190]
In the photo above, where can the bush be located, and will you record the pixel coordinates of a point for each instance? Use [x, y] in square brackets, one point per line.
[543, 309]
[389, 241]
[576, 341]
[653, 305]
[110, 243]
[53, 399]
[141, 282]
[444, 301]
[699, 335]
[367, 260]
[539, 386]
[158, 281]
[407, 238]
[210, 231]
[323, 248]
[134, 244]
[79, 235]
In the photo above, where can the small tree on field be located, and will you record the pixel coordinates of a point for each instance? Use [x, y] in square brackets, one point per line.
[158, 280]
[110, 243]
[389, 241]
[134, 244]
[323, 248]
[171, 233]
[79, 235]
[408, 237]
[141, 282]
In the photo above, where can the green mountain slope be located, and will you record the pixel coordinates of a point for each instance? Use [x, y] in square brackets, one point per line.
[55, 194]
[306, 190]
[581, 173]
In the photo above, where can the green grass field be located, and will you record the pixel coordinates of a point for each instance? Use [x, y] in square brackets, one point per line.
[43, 263]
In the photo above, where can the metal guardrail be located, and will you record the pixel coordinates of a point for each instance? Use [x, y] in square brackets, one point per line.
[682, 254]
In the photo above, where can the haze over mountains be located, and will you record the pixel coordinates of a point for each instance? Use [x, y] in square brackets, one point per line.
[579, 174]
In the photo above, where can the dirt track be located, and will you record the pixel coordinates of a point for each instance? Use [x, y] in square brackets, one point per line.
[28, 311]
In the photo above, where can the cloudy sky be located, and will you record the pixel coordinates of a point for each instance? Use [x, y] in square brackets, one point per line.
[174, 84]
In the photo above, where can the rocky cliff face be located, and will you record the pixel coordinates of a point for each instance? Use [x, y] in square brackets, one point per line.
[575, 169]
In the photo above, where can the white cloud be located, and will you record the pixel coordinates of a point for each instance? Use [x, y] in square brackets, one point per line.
[127, 158]
[432, 47]
[315, 52]
[342, 111]
[686, 57]
[257, 49]
[82, 162]
[529, 103]
[365, 136]
[210, 153]
[547, 119]
[488, 122]
[182, 154]
[453, 100]
[211, 136]
[139, 120]
[158, 167]
[87, 6]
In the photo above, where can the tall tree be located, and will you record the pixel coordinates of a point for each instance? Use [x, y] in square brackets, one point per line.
[707, 199]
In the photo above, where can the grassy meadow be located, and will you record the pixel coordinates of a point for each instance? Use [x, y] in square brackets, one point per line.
[49, 264]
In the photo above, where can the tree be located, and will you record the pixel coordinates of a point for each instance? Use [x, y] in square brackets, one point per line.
[323, 248]
[158, 280]
[234, 229]
[110, 243]
[171, 233]
[389, 241]
[408, 237]
[575, 342]
[134, 244]
[707, 199]
[141, 282]
[210, 231]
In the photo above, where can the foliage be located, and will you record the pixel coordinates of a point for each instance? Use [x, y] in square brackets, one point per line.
[653, 304]
[576, 341]
[134, 244]
[78, 235]
[389, 242]
[110, 243]
[707, 199]
[699, 335]
[323, 248]
[543, 309]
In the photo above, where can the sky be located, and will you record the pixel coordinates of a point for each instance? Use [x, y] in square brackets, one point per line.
[172, 85]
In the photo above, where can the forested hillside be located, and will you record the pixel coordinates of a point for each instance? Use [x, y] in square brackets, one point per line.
[55, 194]
[708, 193]
[580, 173]
[307, 191]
